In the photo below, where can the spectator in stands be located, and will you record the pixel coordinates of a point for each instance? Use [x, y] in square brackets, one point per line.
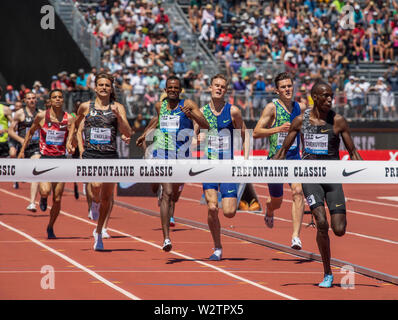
[195, 19]
[11, 95]
[174, 42]
[23, 91]
[179, 62]
[258, 93]
[163, 19]
[55, 83]
[106, 31]
[392, 77]
[40, 92]
[208, 34]
[349, 92]
[196, 65]
[386, 50]
[388, 103]
[207, 14]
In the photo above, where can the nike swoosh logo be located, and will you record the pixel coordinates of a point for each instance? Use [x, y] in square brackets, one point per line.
[338, 205]
[225, 121]
[318, 137]
[106, 113]
[192, 173]
[230, 191]
[37, 172]
[346, 174]
[323, 130]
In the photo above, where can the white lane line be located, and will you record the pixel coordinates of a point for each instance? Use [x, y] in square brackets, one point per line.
[389, 198]
[71, 261]
[347, 232]
[348, 210]
[173, 252]
[381, 203]
[166, 271]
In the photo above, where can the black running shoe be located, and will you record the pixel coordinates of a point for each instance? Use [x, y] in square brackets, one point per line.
[16, 185]
[50, 233]
[76, 189]
[43, 204]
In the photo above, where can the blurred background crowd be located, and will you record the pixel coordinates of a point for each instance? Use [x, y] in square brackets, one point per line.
[252, 41]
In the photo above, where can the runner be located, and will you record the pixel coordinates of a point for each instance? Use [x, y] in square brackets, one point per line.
[21, 123]
[325, 125]
[223, 118]
[14, 145]
[103, 115]
[5, 118]
[274, 123]
[53, 124]
[174, 116]
[157, 187]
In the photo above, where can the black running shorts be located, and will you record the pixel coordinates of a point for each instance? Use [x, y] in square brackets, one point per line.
[333, 194]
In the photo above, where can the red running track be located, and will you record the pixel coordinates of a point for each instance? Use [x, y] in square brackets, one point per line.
[133, 265]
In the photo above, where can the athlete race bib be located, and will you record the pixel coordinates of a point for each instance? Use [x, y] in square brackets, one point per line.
[219, 143]
[100, 135]
[56, 138]
[170, 122]
[281, 138]
[316, 143]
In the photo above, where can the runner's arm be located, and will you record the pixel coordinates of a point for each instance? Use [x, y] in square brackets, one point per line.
[11, 129]
[262, 128]
[80, 114]
[344, 130]
[35, 126]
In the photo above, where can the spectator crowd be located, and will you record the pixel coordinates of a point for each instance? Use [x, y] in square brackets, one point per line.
[252, 40]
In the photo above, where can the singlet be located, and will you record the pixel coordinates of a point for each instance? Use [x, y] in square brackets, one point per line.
[220, 135]
[276, 140]
[3, 125]
[24, 126]
[99, 130]
[174, 132]
[53, 136]
[320, 142]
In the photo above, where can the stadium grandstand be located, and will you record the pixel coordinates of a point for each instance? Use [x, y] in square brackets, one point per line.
[353, 45]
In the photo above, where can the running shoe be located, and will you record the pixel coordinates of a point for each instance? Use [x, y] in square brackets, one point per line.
[296, 243]
[167, 245]
[43, 204]
[172, 222]
[93, 214]
[254, 205]
[327, 281]
[217, 255]
[84, 188]
[50, 233]
[243, 205]
[76, 191]
[98, 245]
[105, 234]
[31, 207]
[269, 220]
[16, 185]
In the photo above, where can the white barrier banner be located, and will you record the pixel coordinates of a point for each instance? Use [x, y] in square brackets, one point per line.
[237, 171]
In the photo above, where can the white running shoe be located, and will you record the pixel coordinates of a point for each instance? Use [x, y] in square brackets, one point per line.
[31, 207]
[105, 234]
[93, 214]
[98, 245]
[84, 188]
[167, 245]
[296, 243]
[217, 255]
